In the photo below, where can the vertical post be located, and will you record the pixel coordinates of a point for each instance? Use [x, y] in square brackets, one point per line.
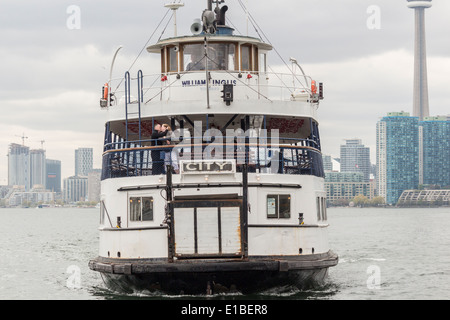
[140, 78]
[169, 214]
[207, 73]
[246, 126]
[107, 142]
[127, 101]
[181, 130]
[244, 219]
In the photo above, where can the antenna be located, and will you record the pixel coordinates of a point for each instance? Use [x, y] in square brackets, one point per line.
[174, 7]
[42, 144]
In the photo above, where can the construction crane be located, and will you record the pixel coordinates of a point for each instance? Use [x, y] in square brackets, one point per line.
[23, 138]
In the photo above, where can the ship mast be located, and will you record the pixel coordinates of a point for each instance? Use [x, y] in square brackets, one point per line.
[174, 7]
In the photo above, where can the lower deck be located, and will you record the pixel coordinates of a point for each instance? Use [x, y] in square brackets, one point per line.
[213, 219]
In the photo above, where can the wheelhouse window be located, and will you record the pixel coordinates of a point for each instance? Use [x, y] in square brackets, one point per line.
[141, 209]
[246, 57]
[172, 59]
[279, 206]
[221, 56]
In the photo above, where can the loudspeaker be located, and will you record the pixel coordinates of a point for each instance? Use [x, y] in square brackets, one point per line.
[196, 27]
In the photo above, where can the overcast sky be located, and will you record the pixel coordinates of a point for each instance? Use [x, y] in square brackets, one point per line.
[54, 61]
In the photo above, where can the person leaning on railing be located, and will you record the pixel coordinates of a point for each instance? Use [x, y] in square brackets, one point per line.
[157, 162]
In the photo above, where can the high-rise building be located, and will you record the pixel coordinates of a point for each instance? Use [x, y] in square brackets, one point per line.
[435, 136]
[19, 165]
[94, 181]
[355, 157]
[37, 168]
[327, 164]
[53, 169]
[420, 102]
[83, 161]
[75, 188]
[397, 155]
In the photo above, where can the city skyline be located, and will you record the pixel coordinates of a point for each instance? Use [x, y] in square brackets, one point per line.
[364, 55]
[40, 170]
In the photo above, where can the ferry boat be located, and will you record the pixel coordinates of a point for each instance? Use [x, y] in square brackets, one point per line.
[212, 175]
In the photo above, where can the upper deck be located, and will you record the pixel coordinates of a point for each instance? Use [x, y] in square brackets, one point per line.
[218, 73]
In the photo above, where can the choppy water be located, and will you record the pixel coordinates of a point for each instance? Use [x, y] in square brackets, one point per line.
[384, 254]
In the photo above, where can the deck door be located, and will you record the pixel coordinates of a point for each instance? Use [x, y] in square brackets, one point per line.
[207, 228]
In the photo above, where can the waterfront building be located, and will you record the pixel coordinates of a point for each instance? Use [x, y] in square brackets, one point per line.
[75, 188]
[435, 153]
[36, 195]
[327, 163]
[53, 179]
[19, 165]
[83, 161]
[37, 167]
[355, 157]
[397, 155]
[330, 163]
[94, 182]
[346, 186]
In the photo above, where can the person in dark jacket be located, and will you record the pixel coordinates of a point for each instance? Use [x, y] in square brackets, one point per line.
[157, 162]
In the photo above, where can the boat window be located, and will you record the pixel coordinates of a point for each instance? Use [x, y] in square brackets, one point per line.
[279, 206]
[163, 61]
[263, 62]
[172, 61]
[324, 209]
[141, 209]
[321, 205]
[246, 56]
[193, 57]
[318, 208]
[221, 56]
[256, 55]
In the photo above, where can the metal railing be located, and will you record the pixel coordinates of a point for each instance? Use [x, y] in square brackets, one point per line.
[131, 159]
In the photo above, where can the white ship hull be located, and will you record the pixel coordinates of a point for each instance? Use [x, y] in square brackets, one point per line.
[135, 257]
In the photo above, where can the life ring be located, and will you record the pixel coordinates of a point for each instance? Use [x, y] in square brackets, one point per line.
[313, 87]
[105, 92]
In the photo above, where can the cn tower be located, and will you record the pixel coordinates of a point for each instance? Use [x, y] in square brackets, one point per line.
[420, 103]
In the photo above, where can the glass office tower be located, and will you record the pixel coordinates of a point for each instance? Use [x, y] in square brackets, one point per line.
[436, 151]
[397, 155]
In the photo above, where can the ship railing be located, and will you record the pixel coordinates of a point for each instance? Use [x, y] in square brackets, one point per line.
[132, 159]
[247, 84]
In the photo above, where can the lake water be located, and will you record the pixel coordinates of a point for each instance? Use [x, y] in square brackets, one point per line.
[384, 254]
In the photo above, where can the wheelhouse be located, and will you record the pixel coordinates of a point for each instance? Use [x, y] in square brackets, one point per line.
[224, 53]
